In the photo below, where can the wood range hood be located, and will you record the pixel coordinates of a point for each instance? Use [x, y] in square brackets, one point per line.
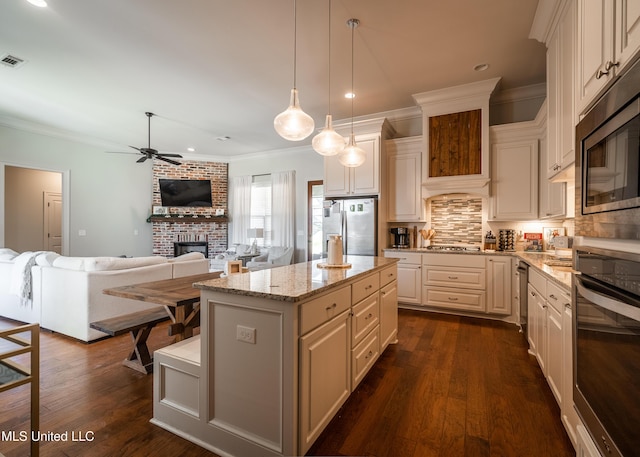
[455, 126]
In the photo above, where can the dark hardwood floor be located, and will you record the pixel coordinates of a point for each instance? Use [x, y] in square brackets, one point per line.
[452, 386]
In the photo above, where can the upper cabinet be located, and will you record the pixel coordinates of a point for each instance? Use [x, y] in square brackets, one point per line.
[608, 39]
[455, 127]
[404, 165]
[341, 181]
[560, 154]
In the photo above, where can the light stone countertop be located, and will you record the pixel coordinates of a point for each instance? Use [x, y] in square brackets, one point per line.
[297, 282]
[559, 275]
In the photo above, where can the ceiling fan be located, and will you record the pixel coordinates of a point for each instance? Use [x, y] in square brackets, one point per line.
[150, 153]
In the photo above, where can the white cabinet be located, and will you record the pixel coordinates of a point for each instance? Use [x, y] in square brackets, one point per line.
[570, 417]
[404, 165]
[560, 96]
[608, 39]
[514, 180]
[388, 309]
[409, 276]
[340, 181]
[499, 284]
[327, 349]
[537, 326]
[552, 196]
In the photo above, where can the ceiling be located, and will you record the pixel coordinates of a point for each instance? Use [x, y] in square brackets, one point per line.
[211, 69]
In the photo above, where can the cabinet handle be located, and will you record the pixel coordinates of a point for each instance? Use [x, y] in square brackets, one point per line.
[567, 305]
[533, 294]
[368, 287]
[554, 297]
[453, 298]
[452, 277]
[333, 306]
[609, 65]
[368, 355]
[369, 316]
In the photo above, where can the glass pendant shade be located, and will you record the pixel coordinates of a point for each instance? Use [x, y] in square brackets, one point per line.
[293, 124]
[352, 156]
[328, 142]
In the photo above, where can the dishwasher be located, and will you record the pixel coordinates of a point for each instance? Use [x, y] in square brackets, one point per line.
[523, 279]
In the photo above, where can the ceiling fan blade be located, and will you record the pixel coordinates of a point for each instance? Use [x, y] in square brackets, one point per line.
[169, 155]
[137, 149]
[141, 159]
[119, 152]
[173, 162]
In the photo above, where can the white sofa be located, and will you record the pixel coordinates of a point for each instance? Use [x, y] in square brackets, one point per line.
[277, 256]
[220, 260]
[67, 291]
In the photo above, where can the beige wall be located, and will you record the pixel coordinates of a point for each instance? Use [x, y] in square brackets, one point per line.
[24, 206]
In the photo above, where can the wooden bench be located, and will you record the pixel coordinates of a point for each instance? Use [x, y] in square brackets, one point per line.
[139, 324]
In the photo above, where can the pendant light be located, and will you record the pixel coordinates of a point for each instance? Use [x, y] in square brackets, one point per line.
[293, 124]
[352, 156]
[328, 142]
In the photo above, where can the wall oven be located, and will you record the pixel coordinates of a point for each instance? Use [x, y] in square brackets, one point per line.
[606, 303]
[608, 163]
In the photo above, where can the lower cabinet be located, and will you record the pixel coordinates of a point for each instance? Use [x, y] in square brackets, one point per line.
[409, 276]
[388, 314]
[550, 340]
[499, 297]
[326, 349]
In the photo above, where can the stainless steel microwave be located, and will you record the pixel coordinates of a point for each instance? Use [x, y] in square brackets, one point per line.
[608, 163]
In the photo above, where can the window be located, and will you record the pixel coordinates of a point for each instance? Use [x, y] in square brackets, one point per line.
[261, 207]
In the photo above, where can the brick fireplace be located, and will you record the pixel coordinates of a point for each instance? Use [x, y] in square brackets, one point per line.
[202, 229]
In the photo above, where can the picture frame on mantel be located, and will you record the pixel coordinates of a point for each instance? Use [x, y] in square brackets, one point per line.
[549, 235]
[159, 210]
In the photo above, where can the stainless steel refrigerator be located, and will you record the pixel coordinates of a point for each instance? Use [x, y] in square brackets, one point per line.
[356, 220]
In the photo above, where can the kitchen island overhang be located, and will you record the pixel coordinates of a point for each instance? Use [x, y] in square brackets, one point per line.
[279, 352]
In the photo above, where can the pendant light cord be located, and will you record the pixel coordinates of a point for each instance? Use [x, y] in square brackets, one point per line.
[295, 41]
[329, 85]
[353, 23]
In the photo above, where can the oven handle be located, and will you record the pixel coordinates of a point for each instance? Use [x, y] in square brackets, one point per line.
[605, 301]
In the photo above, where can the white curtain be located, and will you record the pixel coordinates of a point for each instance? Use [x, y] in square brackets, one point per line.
[240, 209]
[283, 188]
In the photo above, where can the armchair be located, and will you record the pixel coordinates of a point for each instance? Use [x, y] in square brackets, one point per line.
[276, 256]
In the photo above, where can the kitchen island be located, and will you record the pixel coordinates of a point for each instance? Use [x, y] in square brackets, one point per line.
[279, 352]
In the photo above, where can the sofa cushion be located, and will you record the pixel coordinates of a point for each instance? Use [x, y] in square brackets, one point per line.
[105, 263]
[46, 259]
[187, 257]
[7, 254]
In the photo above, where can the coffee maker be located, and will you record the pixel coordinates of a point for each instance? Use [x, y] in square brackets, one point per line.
[400, 237]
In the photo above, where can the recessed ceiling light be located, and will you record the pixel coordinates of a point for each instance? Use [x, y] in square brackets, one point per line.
[349, 95]
[191, 149]
[481, 67]
[38, 3]
[223, 138]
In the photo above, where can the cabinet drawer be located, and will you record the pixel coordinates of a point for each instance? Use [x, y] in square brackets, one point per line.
[405, 257]
[364, 356]
[468, 278]
[469, 300]
[365, 287]
[557, 297]
[321, 309]
[366, 315]
[538, 281]
[388, 274]
[454, 260]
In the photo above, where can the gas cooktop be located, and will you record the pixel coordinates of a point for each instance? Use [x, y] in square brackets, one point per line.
[453, 248]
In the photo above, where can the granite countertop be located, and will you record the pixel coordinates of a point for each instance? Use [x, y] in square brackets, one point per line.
[297, 282]
[561, 275]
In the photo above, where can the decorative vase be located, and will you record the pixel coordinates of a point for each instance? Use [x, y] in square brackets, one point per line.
[334, 254]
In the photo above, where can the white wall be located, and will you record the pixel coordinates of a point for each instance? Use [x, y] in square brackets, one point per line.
[106, 195]
[309, 166]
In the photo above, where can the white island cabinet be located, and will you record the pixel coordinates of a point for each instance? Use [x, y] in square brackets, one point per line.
[279, 352]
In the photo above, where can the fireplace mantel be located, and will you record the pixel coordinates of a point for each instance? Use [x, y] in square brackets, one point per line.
[188, 219]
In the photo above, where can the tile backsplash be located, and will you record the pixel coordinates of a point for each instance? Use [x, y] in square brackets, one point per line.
[457, 219]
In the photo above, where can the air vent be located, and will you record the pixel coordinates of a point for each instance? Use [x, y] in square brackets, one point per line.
[11, 61]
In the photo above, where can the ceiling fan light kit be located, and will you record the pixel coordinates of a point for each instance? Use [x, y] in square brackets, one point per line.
[293, 124]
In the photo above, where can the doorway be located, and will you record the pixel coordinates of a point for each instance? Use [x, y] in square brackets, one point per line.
[33, 209]
[315, 196]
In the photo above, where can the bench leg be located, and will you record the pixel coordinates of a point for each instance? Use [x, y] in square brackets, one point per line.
[139, 359]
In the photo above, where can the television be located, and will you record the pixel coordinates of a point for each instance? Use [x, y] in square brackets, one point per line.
[185, 192]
